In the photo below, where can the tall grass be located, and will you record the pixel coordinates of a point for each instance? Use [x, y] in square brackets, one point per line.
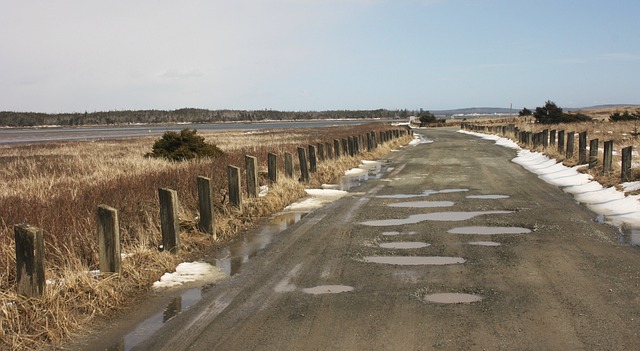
[58, 187]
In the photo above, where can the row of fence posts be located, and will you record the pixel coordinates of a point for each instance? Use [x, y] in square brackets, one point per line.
[564, 142]
[29, 241]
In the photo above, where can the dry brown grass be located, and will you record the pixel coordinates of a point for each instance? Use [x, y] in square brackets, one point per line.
[58, 187]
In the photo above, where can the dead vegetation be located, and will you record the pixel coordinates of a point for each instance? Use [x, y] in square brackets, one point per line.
[57, 187]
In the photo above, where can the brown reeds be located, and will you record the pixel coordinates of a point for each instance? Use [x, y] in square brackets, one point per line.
[58, 187]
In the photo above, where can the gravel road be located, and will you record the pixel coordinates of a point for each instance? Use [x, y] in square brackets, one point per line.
[345, 278]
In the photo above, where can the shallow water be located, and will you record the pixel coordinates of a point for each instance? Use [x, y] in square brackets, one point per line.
[488, 197]
[415, 260]
[424, 194]
[435, 216]
[484, 243]
[482, 230]
[328, 289]
[452, 298]
[423, 204]
[404, 245]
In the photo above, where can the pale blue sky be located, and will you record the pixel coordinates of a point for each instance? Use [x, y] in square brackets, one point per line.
[89, 55]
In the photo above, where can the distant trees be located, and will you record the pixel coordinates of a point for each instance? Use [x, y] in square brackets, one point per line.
[626, 116]
[550, 113]
[525, 112]
[183, 146]
[426, 117]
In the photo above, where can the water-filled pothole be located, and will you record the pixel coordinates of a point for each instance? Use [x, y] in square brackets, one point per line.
[415, 260]
[452, 298]
[391, 233]
[484, 243]
[488, 197]
[424, 193]
[404, 245]
[423, 204]
[436, 216]
[328, 289]
[482, 230]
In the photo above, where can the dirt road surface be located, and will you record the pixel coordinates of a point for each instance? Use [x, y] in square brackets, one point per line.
[568, 284]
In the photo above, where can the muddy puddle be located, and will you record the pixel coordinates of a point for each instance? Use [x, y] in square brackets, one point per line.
[404, 245]
[229, 259]
[436, 216]
[423, 194]
[482, 230]
[327, 289]
[415, 260]
[452, 298]
[392, 233]
[423, 204]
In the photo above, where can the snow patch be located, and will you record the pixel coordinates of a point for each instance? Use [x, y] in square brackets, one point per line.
[188, 272]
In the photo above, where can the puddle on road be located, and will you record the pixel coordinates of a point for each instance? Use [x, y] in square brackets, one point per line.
[423, 204]
[452, 298]
[630, 235]
[415, 260]
[436, 216]
[424, 193]
[484, 243]
[482, 230]
[231, 258]
[488, 197]
[404, 245]
[328, 289]
[391, 233]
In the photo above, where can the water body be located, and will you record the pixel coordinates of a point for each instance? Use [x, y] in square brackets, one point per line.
[328, 289]
[49, 134]
[449, 298]
[415, 260]
[436, 216]
[482, 230]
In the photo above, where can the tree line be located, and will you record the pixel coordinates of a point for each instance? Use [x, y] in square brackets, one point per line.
[184, 115]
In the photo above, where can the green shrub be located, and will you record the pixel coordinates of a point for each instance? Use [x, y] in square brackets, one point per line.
[626, 116]
[182, 146]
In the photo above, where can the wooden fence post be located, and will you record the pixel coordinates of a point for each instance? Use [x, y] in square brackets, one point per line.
[626, 163]
[561, 142]
[205, 204]
[552, 138]
[108, 239]
[608, 157]
[29, 241]
[251, 166]
[582, 148]
[235, 193]
[321, 152]
[272, 167]
[169, 222]
[313, 161]
[545, 138]
[328, 151]
[570, 144]
[345, 146]
[304, 167]
[288, 164]
[593, 153]
[351, 145]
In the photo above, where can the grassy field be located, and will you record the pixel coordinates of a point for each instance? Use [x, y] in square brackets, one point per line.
[58, 186]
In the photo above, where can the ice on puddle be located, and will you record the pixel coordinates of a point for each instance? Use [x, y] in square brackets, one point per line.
[188, 272]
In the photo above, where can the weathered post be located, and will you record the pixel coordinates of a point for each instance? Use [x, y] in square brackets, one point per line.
[336, 148]
[545, 138]
[251, 166]
[205, 204]
[235, 194]
[552, 137]
[304, 167]
[593, 153]
[570, 144]
[352, 148]
[328, 151]
[272, 167]
[608, 157]
[345, 146]
[582, 148]
[288, 164]
[313, 161]
[626, 163]
[108, 239]
[169, 222]
[29, 241]
[561, 142]
[321, 152]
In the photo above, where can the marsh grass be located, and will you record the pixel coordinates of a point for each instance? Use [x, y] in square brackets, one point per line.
[58, 186]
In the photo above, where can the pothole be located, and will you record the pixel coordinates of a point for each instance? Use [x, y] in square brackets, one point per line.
[484, 243]
[488, 197]
[436, 216]
[482, 230]
[424, 193]
[404, 245]
[452, 298]
[415, 260]
[423, 204]
[327, 289]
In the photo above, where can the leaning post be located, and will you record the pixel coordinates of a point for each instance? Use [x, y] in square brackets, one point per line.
[304, 167]
[205, 204]
[251, 167]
